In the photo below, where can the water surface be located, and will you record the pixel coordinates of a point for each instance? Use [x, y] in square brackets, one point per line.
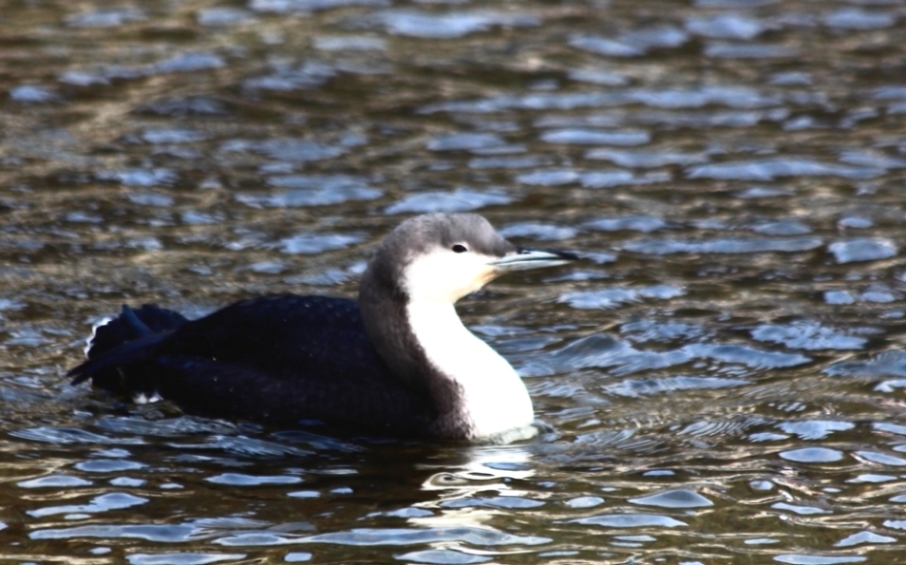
[723, 375]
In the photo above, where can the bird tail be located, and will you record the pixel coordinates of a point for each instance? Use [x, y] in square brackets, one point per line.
[121, 341]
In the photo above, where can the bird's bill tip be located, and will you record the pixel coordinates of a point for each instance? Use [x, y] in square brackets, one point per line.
[525, 258]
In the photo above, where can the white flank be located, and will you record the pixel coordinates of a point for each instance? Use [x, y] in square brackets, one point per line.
[496, 400]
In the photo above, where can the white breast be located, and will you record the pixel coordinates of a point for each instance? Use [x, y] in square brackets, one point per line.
[495, 399]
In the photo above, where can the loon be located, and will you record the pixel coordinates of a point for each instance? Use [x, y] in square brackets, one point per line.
[399, 362]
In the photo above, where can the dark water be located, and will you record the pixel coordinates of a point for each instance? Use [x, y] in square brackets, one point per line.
[724, 374]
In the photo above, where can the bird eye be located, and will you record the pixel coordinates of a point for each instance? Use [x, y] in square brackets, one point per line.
[459, 248]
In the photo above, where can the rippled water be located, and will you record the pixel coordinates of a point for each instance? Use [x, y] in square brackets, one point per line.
[723, 374]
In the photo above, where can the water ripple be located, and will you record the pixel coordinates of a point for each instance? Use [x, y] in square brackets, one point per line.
[190, 63]
[632, 43]
[377, 536]
[631, 521]
[286, 77]
[771, 169]
[541, 231]
[162, 533]
[54, 481]
[729, 96]
[635, 388]
[614, 297]
[222, 16]
[443, 557]
[289, 149]
[645, 159]
[725, 245]
[812, 559]
[812, 455]
[863, 538]
[110, 17]
[806, 335]
[464, 142]
[815, 429]
[306, 6]
[605, 352]
[493, 502]
[102, 503]
[460, 200]
[314, 243]
[888, 364]
[750, 51]
[242, 480]
[311, 190]
[640, 223]
[728, 25]
[858, 18]
[881, 458]
[677, 498]
[427, 25]
[863, 249]
[182, 558]
[596, 137]
[64, 436]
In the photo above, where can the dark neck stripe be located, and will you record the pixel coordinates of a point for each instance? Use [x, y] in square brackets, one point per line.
[383, 302]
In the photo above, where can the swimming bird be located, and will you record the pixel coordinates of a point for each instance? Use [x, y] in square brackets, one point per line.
[399, 362]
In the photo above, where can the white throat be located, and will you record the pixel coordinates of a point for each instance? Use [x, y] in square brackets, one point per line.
[495, 399]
